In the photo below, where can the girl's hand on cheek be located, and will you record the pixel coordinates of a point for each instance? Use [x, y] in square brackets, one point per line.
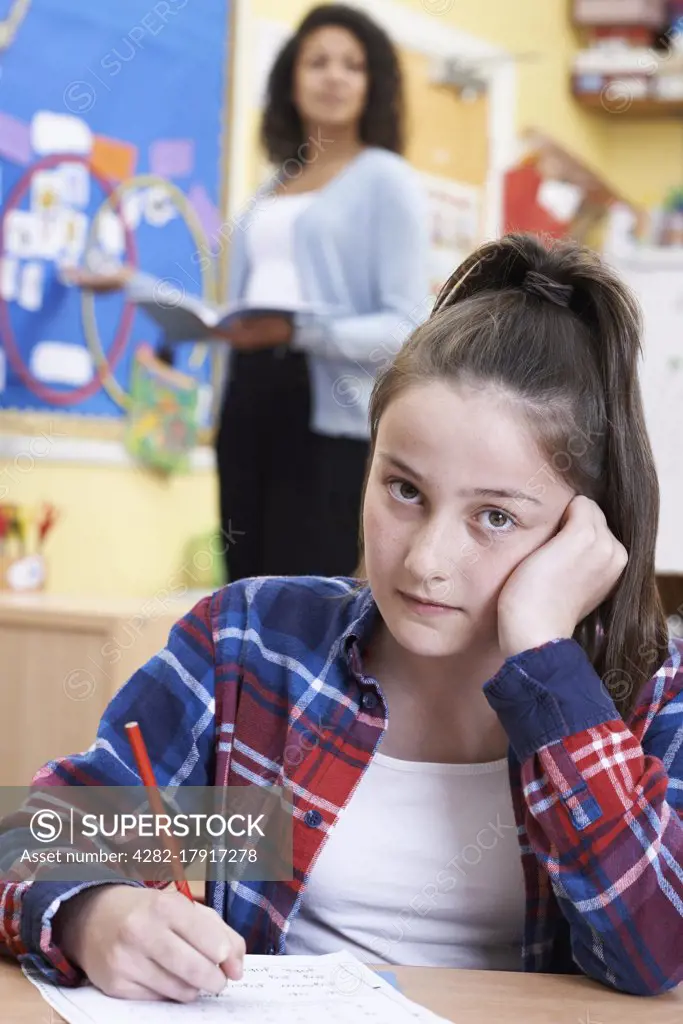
[555, 587]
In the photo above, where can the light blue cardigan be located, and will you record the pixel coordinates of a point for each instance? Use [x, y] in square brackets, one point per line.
[361, 255]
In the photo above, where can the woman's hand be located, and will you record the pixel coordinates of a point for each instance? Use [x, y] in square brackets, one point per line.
[136, 943]
[250, 333]
[560, 583]
[112, 281]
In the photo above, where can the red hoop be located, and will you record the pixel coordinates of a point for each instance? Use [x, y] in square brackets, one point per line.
[124, 326]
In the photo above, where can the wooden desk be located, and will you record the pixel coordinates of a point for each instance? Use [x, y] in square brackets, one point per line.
[63, 659]
[465, 997]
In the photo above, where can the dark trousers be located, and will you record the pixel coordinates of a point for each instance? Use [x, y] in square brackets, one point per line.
[289, 499]
[339, 474]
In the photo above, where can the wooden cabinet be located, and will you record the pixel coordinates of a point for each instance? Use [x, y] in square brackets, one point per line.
[62, 660]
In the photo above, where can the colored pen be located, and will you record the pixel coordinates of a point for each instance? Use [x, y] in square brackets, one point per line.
[147, 775]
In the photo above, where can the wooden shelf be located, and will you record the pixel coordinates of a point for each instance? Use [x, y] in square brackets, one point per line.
[648, 107]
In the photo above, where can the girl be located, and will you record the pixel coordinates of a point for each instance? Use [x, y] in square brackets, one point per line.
[483, 741]
[338, 228]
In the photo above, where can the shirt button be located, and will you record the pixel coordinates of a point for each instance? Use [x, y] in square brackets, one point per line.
[369, 700]
[270, 949]
[313, 818]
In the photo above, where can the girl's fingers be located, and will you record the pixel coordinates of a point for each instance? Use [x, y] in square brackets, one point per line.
[134, 990]
[211, 937]
[177, 956]
[232, 968]
[150, 976]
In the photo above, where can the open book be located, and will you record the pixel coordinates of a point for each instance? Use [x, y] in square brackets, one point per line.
[186, 317]
[335, 988]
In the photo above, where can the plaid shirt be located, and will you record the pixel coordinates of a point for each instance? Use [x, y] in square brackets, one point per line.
[263, 684]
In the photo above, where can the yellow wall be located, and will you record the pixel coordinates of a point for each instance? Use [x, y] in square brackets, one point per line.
[122, 533]
[644, 159]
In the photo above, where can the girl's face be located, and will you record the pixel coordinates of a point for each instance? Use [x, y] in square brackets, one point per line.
[330, 78]
[458, 495]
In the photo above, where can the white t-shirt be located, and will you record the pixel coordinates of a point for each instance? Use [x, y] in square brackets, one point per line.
[270, 246]
[422, 868]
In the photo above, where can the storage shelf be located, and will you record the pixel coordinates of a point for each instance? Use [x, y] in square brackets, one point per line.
[646, 107]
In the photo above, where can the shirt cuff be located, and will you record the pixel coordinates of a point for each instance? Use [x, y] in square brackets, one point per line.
[141, 282]
[311, 333]
[41, 902]
[548, 693]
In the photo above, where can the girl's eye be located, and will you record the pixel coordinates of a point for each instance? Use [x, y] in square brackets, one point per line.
[403, 491]
[497, 521]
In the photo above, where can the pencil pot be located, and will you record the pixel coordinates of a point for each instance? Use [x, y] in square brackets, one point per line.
[23, 574]
[23, 532]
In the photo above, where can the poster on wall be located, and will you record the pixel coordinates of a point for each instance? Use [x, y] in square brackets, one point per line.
[111, 133]
[454, 225]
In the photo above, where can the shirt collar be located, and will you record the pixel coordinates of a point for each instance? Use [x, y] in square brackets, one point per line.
[360, 628]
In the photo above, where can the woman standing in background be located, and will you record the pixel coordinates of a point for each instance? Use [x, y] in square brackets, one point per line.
[339, 229]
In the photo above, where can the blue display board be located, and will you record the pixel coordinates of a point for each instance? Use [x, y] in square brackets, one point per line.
[112, 126]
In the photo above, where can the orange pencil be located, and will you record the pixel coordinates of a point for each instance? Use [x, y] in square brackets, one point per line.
[147, 775]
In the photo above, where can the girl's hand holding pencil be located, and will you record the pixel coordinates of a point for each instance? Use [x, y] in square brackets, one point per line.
[135, 942]
[140, 943]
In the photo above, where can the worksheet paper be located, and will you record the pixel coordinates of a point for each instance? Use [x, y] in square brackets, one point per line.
[334, 989]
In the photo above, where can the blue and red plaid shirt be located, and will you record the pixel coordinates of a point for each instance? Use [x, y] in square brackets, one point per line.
[268, 668]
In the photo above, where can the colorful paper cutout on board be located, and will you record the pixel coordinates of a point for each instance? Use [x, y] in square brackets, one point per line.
[9, 272]
[110, 234]
[113, 159]
[53, 133]
[59, 362]
[31, 286]
[132, 208]
[22, 234]
[74, 237]
[207, 212]
[159, 206]
[75, 183]
[47, 189]
[172, 158]
[15, 140]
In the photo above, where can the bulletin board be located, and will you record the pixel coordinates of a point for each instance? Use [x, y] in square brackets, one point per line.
[448, 143]
[113, 119]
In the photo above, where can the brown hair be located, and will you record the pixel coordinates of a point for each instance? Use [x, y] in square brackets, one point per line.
[382, 123]
[565, 341]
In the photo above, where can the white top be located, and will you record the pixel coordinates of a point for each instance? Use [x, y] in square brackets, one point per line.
[422, 868]
[273, 278]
